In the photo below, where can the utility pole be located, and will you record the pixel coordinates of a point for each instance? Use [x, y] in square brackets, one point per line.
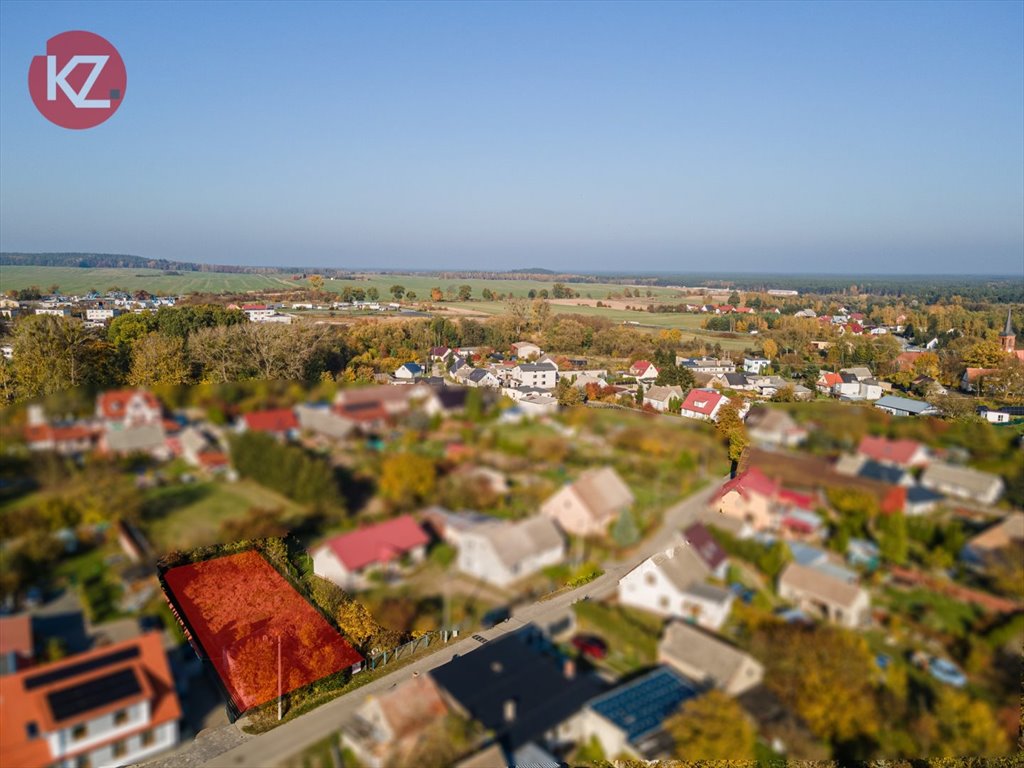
[280, 694]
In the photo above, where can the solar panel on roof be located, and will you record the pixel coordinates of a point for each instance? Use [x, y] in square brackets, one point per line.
[100, 691]
[643, 706]
[74, 670]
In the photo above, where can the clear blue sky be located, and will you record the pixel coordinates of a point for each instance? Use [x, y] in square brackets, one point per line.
[844, 137]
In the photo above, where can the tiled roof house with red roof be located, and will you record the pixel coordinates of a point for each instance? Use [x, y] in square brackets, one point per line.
[123, 408]
[758, 502]
[349, 558]
[643, 370]
[280, 422]
[703, 404]
[899, 453]
[114, 705]
[16, 646]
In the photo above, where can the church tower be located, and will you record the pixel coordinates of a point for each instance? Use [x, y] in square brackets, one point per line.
[1008, 338]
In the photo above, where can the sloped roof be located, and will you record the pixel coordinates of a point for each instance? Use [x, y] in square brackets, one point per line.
[378, 543]
[681, 566]
[698, 649]
[971, 480]
[664, 394]
[705, 546]
[113, 404]
[412, 706]
[603, 492]
[276, 420]
[514, 542]
[893, 451]
[16, 634]
[753, 481]
[815, 582]
[53, 696]
[702, 401]
[145, 437]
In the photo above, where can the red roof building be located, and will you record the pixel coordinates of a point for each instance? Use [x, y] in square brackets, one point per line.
[65, 440]
[16, 648]
[900, 453]
[128, 407]
[277, 421]
[827, 380]
[114, 705]
[640, 368]
[344, 559]
[702, 404]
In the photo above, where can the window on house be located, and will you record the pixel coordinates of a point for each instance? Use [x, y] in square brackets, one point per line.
[121, 717]
[649, 579]
[119, 749]
[78, 733]
[663, 602]
[148, 738]
[83, 761]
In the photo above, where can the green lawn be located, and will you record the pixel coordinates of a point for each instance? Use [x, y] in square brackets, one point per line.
[188, 516]
[632, 635]
[73, 280]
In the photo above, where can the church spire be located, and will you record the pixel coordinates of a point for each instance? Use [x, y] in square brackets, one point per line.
[1008, 330]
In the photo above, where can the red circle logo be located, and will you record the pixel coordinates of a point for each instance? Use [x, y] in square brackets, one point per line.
[80, 82]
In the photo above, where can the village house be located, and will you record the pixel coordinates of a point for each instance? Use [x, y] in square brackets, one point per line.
[827, 382]
[963, 482]
[115, 705]
[1002, 541]
[123, 408]
[501, 552]
[707, 659]
[441, 354]
[703, 404]
[408, 371]
[643, 370]
[708, 365]
[758, 502]
[386, 729]
[536, 375]
[520, 689]
[64, 439]
[736, 381]
[898, 453]
[282, 423]
[659, 398]
[772, 426]
[756, 365]
[630, 719]
[704, 546]
[672, 583]
[588, 506]
[902, 406]
[348, 560]
[322, 420]
[526, 350]
[17, 650]
[973, 378]
[825, 596]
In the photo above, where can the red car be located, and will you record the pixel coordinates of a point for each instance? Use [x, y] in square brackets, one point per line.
[591, 646]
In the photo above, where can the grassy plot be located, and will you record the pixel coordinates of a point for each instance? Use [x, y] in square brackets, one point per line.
[72, 280]
[188, 516]
[632, 635]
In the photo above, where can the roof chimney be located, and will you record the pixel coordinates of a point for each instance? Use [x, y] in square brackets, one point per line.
[509, 710]
[569, 669]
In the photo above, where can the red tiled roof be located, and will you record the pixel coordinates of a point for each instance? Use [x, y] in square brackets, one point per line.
[364, 412]
[250, 307]
[212, 459]
[893, 451]
[974, 373]
[905, 360]
[830, 379]
[751, 481]
[16, 635]
[801, 500]
[22, 706]
[277, 421]
[378, 543]
[708, 401]
[112, 404]
[42, 433]
[639, 367]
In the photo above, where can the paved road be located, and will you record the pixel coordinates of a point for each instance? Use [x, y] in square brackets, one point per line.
[274, 747]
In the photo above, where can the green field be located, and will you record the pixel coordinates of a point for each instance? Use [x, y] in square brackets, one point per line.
[75, 280]
[187, 516]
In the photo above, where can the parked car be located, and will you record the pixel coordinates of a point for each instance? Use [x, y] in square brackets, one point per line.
[946, 672]
[591, 646]
[495, 616]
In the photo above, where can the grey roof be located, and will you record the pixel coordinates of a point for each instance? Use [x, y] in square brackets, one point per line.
[695, 648]
[709, 592]
[603, 492]
[479, 374]
[321, 419]
[146, 437]
[812, 581]
[514, 542]
[735, 379]
[664, 394]
[681, 566]
[971, 480]
[1008, 329]
[530, 367]
[903, 404]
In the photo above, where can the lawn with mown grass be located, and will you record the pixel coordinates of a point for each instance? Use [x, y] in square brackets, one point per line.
[188, 516]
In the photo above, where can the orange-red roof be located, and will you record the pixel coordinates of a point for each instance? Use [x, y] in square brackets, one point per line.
[894, 451]
[277, 420]
[16, 635]
[45, 433]
[26, 697]
[112, 404]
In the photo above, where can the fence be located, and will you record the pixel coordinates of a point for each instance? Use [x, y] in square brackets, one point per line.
[415, 645]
